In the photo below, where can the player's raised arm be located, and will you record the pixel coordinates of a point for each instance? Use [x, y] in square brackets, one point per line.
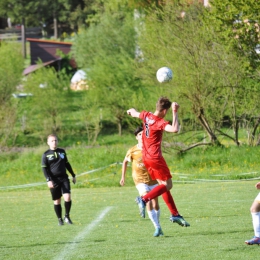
[132, 112]
[174, 127]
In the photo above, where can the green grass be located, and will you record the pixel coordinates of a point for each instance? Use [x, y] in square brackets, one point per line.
[99, 166]
[218, 213]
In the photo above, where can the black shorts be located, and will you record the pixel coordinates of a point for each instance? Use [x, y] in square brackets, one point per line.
[59, 189]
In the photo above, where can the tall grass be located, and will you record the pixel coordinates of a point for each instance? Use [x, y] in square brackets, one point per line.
[211, 163]
[219, 163]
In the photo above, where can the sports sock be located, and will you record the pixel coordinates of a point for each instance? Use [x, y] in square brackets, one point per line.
[155, 192]
[67, 205]
[153, 217]
[158, 213]
[168, 199]
[58, 210]
[256, 223]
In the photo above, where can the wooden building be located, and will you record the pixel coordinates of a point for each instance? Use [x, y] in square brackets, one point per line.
[46, 52]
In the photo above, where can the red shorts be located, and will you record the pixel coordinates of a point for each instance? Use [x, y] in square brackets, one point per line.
[157, 168]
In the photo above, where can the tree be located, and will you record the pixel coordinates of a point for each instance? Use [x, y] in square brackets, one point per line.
[106, 50]
[18, 10]
[237, 25]
[50, 99]
[11, 67]
[237, 22]
[66, 15]
[207, 75]
[78, 12]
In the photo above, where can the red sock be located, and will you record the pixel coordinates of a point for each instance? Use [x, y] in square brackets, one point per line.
[168, 199]
[157, 191]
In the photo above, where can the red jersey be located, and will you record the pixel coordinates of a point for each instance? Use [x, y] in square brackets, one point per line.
[152, 136]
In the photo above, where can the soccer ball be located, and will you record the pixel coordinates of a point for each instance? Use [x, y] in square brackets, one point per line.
[164, 74]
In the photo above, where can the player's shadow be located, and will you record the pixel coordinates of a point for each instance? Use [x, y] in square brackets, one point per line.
[124, 220]
[42, 244]
[39, 244]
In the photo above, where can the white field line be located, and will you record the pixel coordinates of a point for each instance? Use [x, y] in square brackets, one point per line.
[70, 249]
[44, 183]
[180, 175]
[208, 180]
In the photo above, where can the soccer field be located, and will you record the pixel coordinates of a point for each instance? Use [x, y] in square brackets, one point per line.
[107, 224]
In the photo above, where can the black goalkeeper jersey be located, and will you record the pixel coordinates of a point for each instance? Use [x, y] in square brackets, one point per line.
[55, 163]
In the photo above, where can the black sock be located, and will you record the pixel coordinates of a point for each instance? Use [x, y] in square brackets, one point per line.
[67, 205]
[58, 210]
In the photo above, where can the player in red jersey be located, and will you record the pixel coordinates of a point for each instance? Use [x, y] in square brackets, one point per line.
[154, 125]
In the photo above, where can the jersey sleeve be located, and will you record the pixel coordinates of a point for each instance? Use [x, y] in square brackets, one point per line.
[69, 168]
[44, 160]
[142, 114]
[164, 124]
[68, 165]
[128, 156]
[45, 167]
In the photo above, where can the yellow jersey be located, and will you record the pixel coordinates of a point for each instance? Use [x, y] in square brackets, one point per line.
[139, 172]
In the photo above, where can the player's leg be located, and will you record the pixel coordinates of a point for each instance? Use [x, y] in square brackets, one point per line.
[156, 209]
[167, 197]
[155, 204]
[152, 214]
[143, 189]
[159, 171]
[255, 213]
[67, 201]
[156, 192]
[169, 201]
[56, 197]
[155, 169]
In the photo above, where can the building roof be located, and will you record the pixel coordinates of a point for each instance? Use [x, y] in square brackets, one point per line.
[34, 67]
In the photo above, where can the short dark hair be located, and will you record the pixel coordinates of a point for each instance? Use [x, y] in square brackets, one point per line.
[163, 103]
[138, 130]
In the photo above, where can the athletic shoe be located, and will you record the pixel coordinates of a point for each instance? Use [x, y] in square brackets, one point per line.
[68, 220]
[179, 220]
[141, 205]
[60, 222]
[158, 232]
[253, 241]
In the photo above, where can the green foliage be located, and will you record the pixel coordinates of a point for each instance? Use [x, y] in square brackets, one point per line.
[50, 92]
[90, 116]
[107, 52]
[78, 13]
[202, 163]
[237, 23]
[18, 9]
[11, 67]
[71, 15]
[209, 78]
[213, 79]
